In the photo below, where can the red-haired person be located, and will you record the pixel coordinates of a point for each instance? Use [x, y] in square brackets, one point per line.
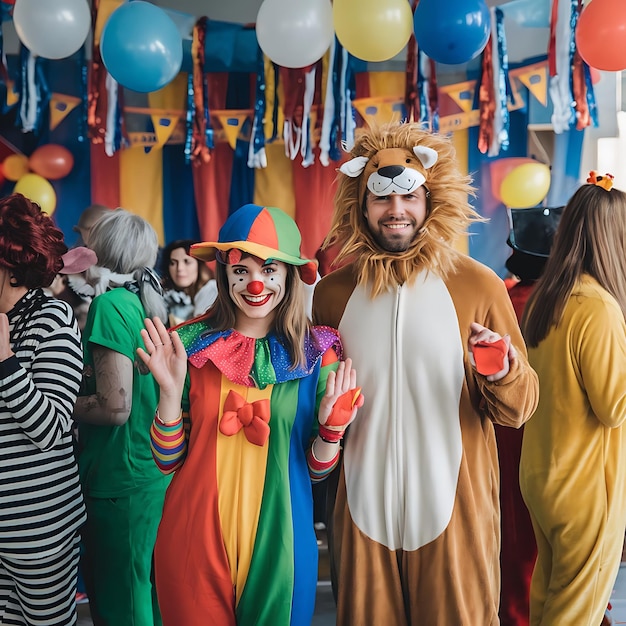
[40, 372]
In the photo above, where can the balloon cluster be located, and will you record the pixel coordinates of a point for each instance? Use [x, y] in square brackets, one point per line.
[519, 182]
[140, 44]
[33, 175]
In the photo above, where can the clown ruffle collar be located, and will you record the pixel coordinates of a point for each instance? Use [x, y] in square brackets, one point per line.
[249, 361]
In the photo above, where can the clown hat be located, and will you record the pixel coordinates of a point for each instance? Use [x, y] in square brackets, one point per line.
[264, 232]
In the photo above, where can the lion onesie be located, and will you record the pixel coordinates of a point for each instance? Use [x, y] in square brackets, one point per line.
[414, 533]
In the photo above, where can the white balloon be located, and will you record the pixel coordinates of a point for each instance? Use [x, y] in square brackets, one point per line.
[52, 29]
[295, 33]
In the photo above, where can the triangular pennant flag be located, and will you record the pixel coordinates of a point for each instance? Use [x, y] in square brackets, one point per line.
[379, 110]
[164, 126]
[60, 106]
[462, 94]
[536, 79]
[13, 95]
[231, 122]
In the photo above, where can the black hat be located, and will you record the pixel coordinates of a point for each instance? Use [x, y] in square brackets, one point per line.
[532, 230]
[531, 235]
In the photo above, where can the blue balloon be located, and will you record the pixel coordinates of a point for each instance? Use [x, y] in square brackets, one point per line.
[141, 47]
[452, 32]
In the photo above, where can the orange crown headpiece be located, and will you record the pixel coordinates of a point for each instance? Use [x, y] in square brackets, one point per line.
[606, 181]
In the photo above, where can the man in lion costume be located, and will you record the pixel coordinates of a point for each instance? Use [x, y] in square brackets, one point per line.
[414, 533]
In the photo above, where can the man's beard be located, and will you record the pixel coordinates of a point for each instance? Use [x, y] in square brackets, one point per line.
[393, 244]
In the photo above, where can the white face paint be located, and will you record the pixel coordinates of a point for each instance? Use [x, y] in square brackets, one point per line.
[256, 287]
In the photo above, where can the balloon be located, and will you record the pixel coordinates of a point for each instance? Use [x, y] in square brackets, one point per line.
[51, 161]
[373, 30]
[600, 35]
[141, 47]
[53, 29]
[499, 168]
[295, 33]
[37, 189]
[454, 31]
[525, 186]
[15, 166]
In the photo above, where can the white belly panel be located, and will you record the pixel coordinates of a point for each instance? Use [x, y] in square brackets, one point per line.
[403, 452]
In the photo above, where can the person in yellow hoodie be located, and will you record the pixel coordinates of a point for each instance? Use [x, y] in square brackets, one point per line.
[573, 462]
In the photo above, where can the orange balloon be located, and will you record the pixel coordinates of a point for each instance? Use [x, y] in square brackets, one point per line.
[499, 170]
[51, 161]
[600, 34]
[15, 166]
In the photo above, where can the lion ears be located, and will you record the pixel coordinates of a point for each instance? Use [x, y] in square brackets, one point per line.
[354, 167]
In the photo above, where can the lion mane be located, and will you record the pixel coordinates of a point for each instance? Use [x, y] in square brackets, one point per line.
[448, 217]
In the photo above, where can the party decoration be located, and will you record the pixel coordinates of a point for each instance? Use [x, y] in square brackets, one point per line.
[600, 35]
[452, 32]
[15, 166]
[53, 29]
[295, 33]
[141, 47]
[51, 161]
[373, 30]
[499, 169]
[525, 186]
[39, 190]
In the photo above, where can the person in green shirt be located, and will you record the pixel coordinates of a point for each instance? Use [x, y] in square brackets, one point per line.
[124, 490]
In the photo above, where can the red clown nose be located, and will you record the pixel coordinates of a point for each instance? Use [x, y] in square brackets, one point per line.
[255, 287]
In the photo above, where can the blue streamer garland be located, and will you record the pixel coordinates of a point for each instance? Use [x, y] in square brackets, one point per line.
[504, 83]
[573, 20]
[191, 109]
[258, 139]
[333, 152]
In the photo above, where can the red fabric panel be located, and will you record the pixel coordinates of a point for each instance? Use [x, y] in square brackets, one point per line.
[314, 189]
[211, 182]
[105, 177]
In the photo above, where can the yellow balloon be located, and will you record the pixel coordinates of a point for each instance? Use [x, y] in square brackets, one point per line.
[525, 186]
[15, 166]
[37, 189]
[373, 30]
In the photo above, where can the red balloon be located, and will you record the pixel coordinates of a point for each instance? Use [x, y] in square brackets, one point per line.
[600, 35]
[51, 161]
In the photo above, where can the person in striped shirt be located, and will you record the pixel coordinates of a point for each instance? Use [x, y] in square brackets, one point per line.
[41, 505]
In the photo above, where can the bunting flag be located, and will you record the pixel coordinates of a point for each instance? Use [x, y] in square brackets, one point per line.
[379, 110]
[535, 79]
[462, 94]
[13, 95]
[61, 105]
[232, 123]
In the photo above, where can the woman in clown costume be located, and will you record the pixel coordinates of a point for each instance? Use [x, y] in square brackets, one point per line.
[244, 390]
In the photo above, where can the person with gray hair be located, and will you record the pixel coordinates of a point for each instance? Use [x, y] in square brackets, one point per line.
[124, 490]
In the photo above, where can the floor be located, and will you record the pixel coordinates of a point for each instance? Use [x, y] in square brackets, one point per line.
[325, 607]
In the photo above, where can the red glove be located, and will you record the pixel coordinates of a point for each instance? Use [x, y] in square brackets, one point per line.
[490, 357]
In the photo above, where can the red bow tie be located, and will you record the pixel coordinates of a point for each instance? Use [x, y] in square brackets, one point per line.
[253, 417]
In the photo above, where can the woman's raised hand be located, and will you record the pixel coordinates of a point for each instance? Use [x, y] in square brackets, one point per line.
[164, 356]
[342, 398]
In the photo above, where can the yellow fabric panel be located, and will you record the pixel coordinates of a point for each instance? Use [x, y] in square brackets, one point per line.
[387, 84]
[105, 9]
[240, 500]
[273, 185]
[141, 185]
[460, 140]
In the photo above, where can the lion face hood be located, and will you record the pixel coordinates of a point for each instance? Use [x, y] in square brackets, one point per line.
[399, 158]
[391, 170]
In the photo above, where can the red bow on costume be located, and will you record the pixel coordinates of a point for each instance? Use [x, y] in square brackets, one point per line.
[253, 417]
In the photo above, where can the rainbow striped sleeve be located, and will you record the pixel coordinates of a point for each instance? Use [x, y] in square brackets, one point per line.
[169, 443]
[319, 470]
